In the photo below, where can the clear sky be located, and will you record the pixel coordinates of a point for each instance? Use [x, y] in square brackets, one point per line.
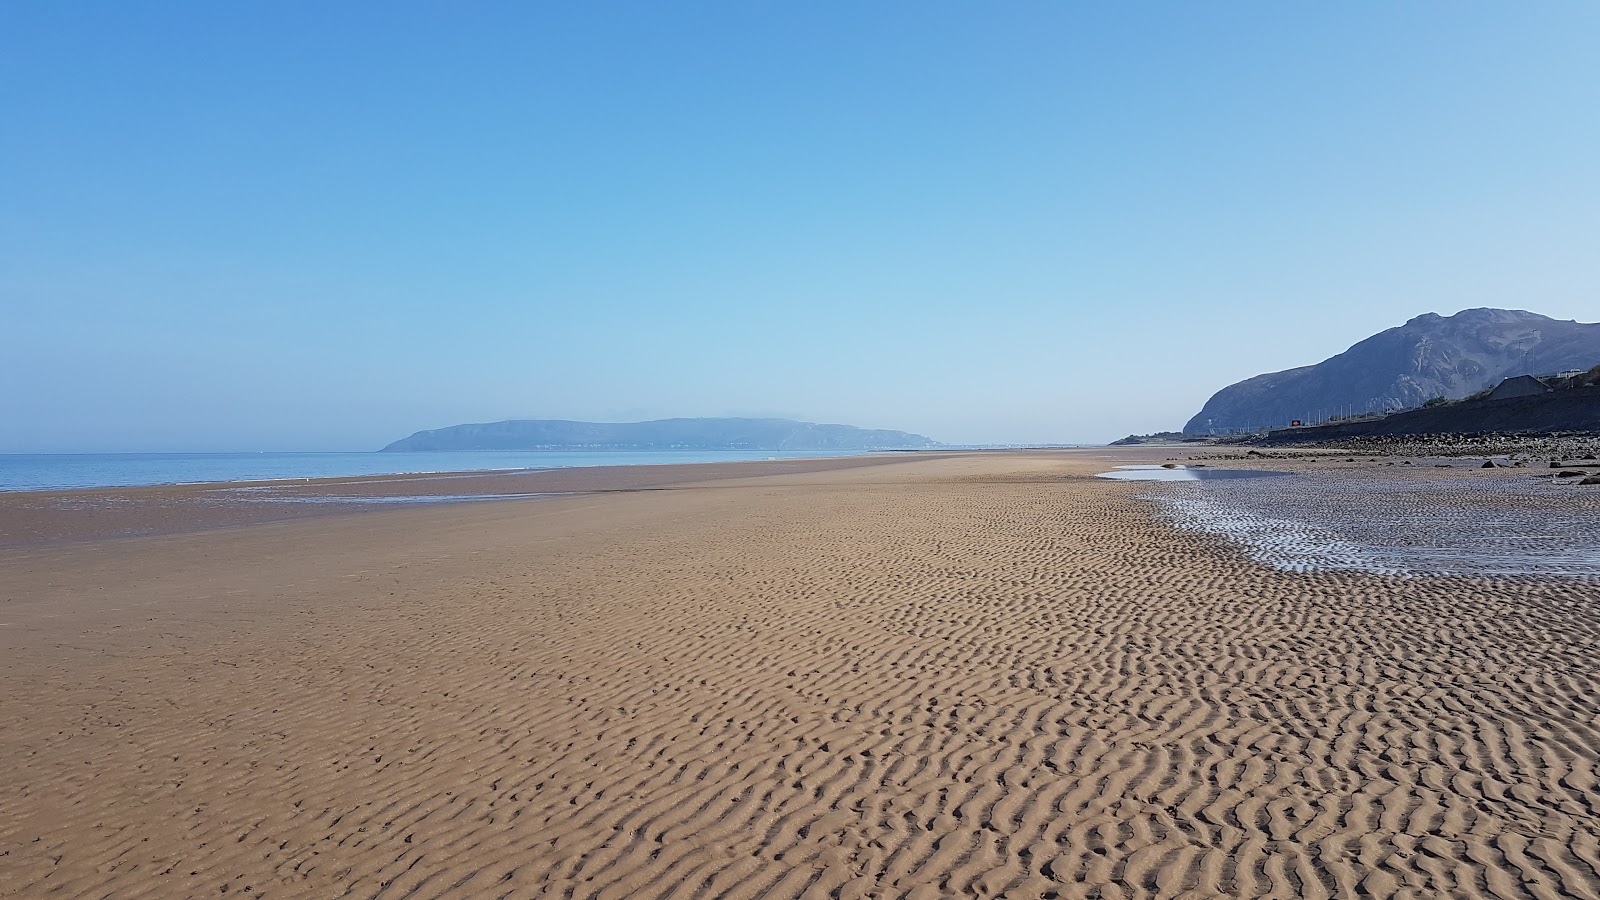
[285, 225]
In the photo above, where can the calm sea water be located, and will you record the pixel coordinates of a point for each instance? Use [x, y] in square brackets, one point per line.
[33, 472]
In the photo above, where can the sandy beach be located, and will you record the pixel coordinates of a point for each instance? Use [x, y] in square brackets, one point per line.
[919, 675]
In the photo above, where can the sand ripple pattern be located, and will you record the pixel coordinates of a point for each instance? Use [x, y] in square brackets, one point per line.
[978, 677]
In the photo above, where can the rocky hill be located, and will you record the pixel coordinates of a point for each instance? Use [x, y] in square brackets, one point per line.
[662, 434]
[1430, 356]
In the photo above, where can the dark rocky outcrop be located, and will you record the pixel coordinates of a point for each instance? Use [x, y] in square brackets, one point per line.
[1571, 411]
[1159, 437]
[1429, 357]
[662, 434]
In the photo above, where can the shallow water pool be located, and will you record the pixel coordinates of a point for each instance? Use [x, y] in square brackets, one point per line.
[1183, 473]
[1397, 525]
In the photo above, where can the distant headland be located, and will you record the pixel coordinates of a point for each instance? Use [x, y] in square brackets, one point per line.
[660, 434]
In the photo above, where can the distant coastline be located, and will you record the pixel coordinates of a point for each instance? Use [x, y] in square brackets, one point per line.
[742, 434]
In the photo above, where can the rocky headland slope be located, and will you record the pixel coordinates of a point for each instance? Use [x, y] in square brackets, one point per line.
[1429, 357]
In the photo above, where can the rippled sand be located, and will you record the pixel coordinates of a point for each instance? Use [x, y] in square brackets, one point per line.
[955, 675]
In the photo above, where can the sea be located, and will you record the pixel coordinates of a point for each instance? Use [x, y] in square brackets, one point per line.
[57, 471]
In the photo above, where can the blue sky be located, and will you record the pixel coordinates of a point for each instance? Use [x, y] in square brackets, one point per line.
[292, 225]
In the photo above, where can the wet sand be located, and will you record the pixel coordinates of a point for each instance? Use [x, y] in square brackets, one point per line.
[35, 518]
[974, 674]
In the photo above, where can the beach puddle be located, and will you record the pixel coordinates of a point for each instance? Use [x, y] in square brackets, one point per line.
[275, 494]
[1184, 473]
[1397, 526]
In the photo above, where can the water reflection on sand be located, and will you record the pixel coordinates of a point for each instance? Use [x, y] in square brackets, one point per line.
[1397, 525]
[1184, 473]
[274, 494]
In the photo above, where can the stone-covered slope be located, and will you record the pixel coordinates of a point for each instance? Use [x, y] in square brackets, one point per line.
[1561, 412]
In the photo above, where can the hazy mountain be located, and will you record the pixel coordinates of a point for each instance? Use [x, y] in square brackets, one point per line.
[1429, 356]
[663, 434]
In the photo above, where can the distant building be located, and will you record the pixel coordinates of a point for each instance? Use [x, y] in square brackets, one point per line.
[1520, 386]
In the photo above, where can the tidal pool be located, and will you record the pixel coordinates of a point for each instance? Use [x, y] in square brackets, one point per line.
[1415, 526]
[1184, 473]
[276, 494]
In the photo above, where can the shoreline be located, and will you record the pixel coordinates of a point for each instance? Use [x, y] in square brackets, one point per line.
[53, 517]
[411, 474]
[281, 481]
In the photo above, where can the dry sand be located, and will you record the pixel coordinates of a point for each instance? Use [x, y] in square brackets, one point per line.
[942, 675]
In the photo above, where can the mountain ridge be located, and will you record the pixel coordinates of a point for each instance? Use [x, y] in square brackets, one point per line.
[1402, 367]
[659, 434]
